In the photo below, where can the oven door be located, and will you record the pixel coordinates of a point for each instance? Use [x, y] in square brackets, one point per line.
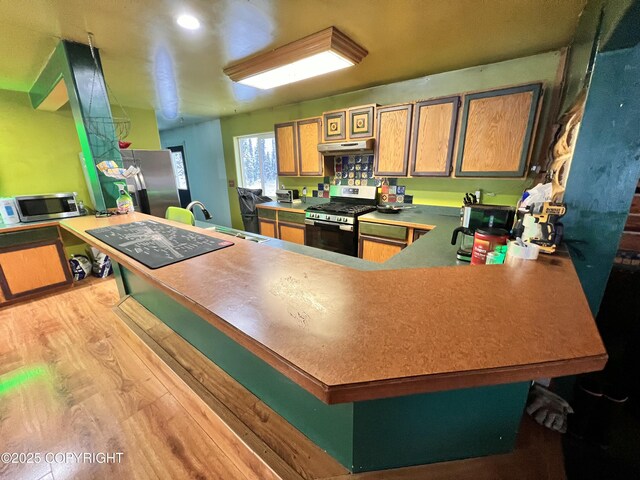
[331, 236]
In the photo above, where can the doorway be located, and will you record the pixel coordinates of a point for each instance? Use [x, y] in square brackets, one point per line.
[180, 170]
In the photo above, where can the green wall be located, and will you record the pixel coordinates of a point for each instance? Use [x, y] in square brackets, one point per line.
[39, 150]
[436, 191]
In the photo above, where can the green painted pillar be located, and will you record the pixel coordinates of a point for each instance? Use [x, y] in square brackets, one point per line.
[74, 64]
[605, 169]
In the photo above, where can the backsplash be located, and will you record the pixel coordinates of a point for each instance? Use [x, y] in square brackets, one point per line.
[440, 191]
[357, 170]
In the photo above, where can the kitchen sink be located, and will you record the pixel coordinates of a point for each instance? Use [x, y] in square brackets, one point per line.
[252, 237]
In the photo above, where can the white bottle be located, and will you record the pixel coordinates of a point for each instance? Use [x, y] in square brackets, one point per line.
[9, 211]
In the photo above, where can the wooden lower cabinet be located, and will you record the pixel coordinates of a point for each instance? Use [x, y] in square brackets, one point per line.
[268, 228]
[377, 249]
[291, 232]
[33, 268]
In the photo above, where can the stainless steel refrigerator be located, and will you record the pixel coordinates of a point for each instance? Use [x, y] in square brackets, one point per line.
[154, 188]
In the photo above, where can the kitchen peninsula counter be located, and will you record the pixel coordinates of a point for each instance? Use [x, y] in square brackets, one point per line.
[349, 335]
[445, 311]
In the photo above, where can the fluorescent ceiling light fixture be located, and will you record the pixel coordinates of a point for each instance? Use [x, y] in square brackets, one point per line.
[323, 52]
[312, 66]
[188, 21]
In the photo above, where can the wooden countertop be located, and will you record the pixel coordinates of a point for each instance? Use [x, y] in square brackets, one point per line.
[345, 334]
[14, 227]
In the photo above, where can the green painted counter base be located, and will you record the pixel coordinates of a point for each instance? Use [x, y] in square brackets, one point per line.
[363, 436]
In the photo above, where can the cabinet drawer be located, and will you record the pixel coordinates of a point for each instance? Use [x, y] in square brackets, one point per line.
[23, 237]
[266, 213]
[382, 230]
[290, 217]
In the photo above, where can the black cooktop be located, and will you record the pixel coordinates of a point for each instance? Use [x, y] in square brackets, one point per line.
[339, 207]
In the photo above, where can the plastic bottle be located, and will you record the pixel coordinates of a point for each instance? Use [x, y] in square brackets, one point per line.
[124, 202]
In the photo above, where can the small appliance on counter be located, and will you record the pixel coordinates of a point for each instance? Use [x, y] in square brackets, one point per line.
[288, 196]
[474, 216]
[9, 211]
[34, 208]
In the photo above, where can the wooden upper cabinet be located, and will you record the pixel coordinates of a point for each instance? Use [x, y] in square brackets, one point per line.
[286, 148]
[309, 133]
[361, 121]
[434, 127]
[392, 140]
[496, 132]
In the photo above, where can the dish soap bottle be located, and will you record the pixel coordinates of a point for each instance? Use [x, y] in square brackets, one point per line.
[124, 201]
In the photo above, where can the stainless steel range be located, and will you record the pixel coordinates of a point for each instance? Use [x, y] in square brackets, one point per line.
[334, 226]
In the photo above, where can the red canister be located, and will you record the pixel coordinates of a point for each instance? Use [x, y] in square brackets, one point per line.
[486, 240]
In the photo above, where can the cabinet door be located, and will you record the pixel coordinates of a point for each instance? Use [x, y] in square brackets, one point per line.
[33, 268]
[309, 132]
[286, 149]
[268, 228]
[291, 232]
[496, 132]
[377, 249]
[334, 126]
[392, 140]
[434, 127]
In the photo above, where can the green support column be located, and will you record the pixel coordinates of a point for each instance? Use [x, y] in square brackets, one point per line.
[73, 64]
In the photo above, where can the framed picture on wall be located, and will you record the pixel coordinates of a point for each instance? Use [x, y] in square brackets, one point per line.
[361, 121]
[334, 125]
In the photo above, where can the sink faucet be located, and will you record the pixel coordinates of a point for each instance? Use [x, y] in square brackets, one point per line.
[205, 212]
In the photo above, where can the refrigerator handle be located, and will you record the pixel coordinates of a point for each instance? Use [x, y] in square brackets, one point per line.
[143, 197]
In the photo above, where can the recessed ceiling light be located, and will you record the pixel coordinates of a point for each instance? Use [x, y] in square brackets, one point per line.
[189, 22]
[323, 52]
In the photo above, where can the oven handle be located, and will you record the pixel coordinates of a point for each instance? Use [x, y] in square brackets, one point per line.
[348, 228]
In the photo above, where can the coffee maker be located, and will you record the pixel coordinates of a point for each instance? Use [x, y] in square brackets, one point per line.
[478, 215]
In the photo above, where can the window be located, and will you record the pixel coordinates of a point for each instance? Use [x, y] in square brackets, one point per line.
[256, 162]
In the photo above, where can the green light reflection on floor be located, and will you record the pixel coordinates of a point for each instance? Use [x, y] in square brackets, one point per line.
[12, 381]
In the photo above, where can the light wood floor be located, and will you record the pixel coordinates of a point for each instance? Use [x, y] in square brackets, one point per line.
[93, 395]
[90, 392]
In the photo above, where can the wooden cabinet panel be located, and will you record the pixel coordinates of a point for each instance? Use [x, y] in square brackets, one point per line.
[633, 223]
[32, 268]
[630, 241]
[496, 131]
[361, 121]
[635, 204]
[334, 124]
[309, 132]
[434, 126]
[392, 140]
[291, 232]
[378, 250]
[268, 228]
[286, 149]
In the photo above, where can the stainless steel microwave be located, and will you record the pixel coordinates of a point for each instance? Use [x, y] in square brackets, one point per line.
[33, 208]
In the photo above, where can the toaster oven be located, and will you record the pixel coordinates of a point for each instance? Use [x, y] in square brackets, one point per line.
[287, 196]
[33, 208]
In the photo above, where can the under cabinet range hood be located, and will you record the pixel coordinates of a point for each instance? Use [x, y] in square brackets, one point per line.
[356, 146]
